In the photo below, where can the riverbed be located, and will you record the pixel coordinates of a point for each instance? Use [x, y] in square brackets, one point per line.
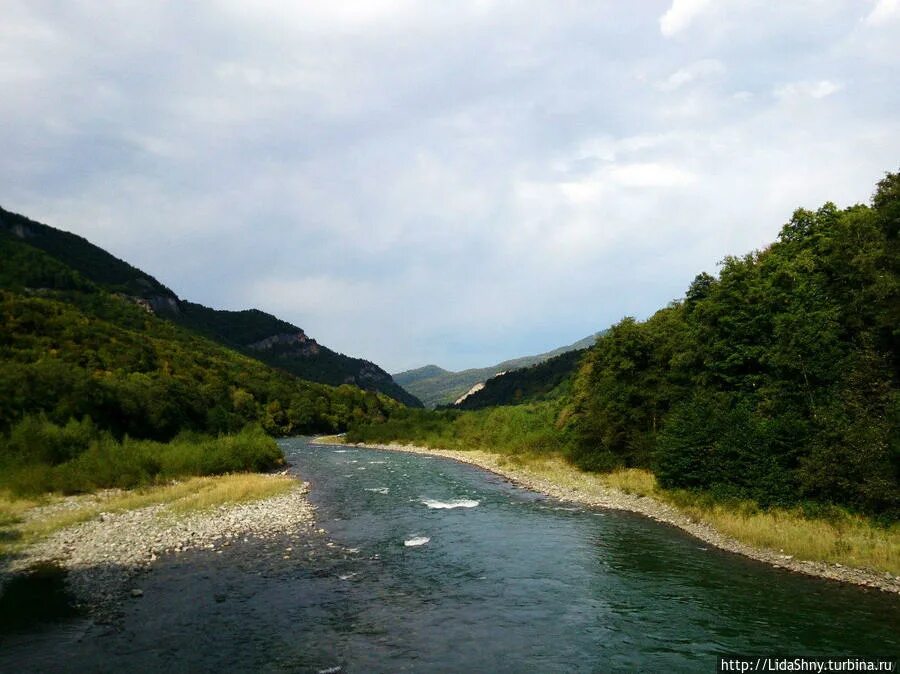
[428, 565]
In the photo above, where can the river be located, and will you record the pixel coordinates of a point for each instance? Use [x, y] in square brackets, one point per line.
[429, 565]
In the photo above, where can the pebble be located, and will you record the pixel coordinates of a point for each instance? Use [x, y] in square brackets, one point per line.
[103, 554]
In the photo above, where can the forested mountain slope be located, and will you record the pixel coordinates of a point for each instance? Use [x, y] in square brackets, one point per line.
[255, 333]
[435, 386]
[777, 381]
[69, 349]
[551, 378]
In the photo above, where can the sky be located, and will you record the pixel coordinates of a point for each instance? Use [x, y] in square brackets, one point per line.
[442, 182]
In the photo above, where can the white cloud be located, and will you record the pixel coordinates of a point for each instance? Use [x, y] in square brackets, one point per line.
[680, 15]
[447, 182]
[817, 89]
[651, 175]
[883, 12]
[696, 71]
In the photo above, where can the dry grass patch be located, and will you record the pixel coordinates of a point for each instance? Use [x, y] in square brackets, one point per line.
[851, 540]
[13, 509]
[329, 439]
[236, 488]
[21, 524]
[845, 538]
[635, 481]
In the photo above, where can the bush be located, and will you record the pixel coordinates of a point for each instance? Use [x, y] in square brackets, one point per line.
[36, 440]
[106, 462]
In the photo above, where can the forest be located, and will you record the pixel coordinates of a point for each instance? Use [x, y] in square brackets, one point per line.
[87, 374]
[775, 380]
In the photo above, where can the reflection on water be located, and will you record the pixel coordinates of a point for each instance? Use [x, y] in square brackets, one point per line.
[32, 600]
[435, 566]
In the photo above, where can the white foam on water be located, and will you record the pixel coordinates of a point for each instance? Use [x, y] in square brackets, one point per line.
[416, 541]
[377, 461]
[347, 576]
[342, 451]
[448, 505]
[378, 490]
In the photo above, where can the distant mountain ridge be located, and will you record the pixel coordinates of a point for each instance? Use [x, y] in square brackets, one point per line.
[550, 378]
[251, 331]
[434, 385]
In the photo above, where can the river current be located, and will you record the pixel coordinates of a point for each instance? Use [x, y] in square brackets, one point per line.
[434, 566]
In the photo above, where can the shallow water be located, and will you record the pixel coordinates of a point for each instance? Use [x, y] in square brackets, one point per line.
[434, 566]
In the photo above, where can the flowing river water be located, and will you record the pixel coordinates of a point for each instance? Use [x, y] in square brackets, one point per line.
[434, 566]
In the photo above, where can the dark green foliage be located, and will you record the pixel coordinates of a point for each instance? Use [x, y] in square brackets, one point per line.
[93, 387]
[302, 357]
[81, 256]
[236, 328]
[621, 393]
[35, 256]
[435, 386]
[549, 378]
[533, 428]
[24, 267]
[132, 373]
[94, 459]
[776, 381]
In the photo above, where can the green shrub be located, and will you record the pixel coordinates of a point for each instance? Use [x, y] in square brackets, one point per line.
[107, 463]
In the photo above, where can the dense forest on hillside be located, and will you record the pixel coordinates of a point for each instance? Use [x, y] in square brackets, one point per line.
[435, 386]
[777, 380]
[296, 353]
[549, 378]
[82, 369]
[240, 330]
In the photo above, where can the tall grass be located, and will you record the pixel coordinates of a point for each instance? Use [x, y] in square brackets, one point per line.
[835, 536]
[94, 460]
[525, 442]
[529, 429]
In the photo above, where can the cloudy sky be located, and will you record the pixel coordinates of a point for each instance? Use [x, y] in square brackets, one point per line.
[448, 182]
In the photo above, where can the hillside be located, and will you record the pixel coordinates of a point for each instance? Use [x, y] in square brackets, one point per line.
[550, 378]
[775, 384]
[436, 386]
[70, 349]
[253, 332]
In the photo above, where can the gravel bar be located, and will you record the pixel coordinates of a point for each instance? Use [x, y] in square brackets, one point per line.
[102, 556]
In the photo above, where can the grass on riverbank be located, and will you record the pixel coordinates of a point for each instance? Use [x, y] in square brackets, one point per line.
[531, 439]
[840, 537]
[27, 521]
[39, 457]
[532, 428]
[837, 537]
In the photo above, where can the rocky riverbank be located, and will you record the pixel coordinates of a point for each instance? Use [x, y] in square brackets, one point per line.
[103, 556]
[591, 492]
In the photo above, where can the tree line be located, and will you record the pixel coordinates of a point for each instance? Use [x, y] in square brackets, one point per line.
[777, 380]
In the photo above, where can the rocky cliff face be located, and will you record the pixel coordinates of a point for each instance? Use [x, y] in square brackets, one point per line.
[296, 342]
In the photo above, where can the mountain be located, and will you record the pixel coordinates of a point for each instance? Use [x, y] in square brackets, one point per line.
[253, 332]
[435, 386]
[73, 354]
[547, 379]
